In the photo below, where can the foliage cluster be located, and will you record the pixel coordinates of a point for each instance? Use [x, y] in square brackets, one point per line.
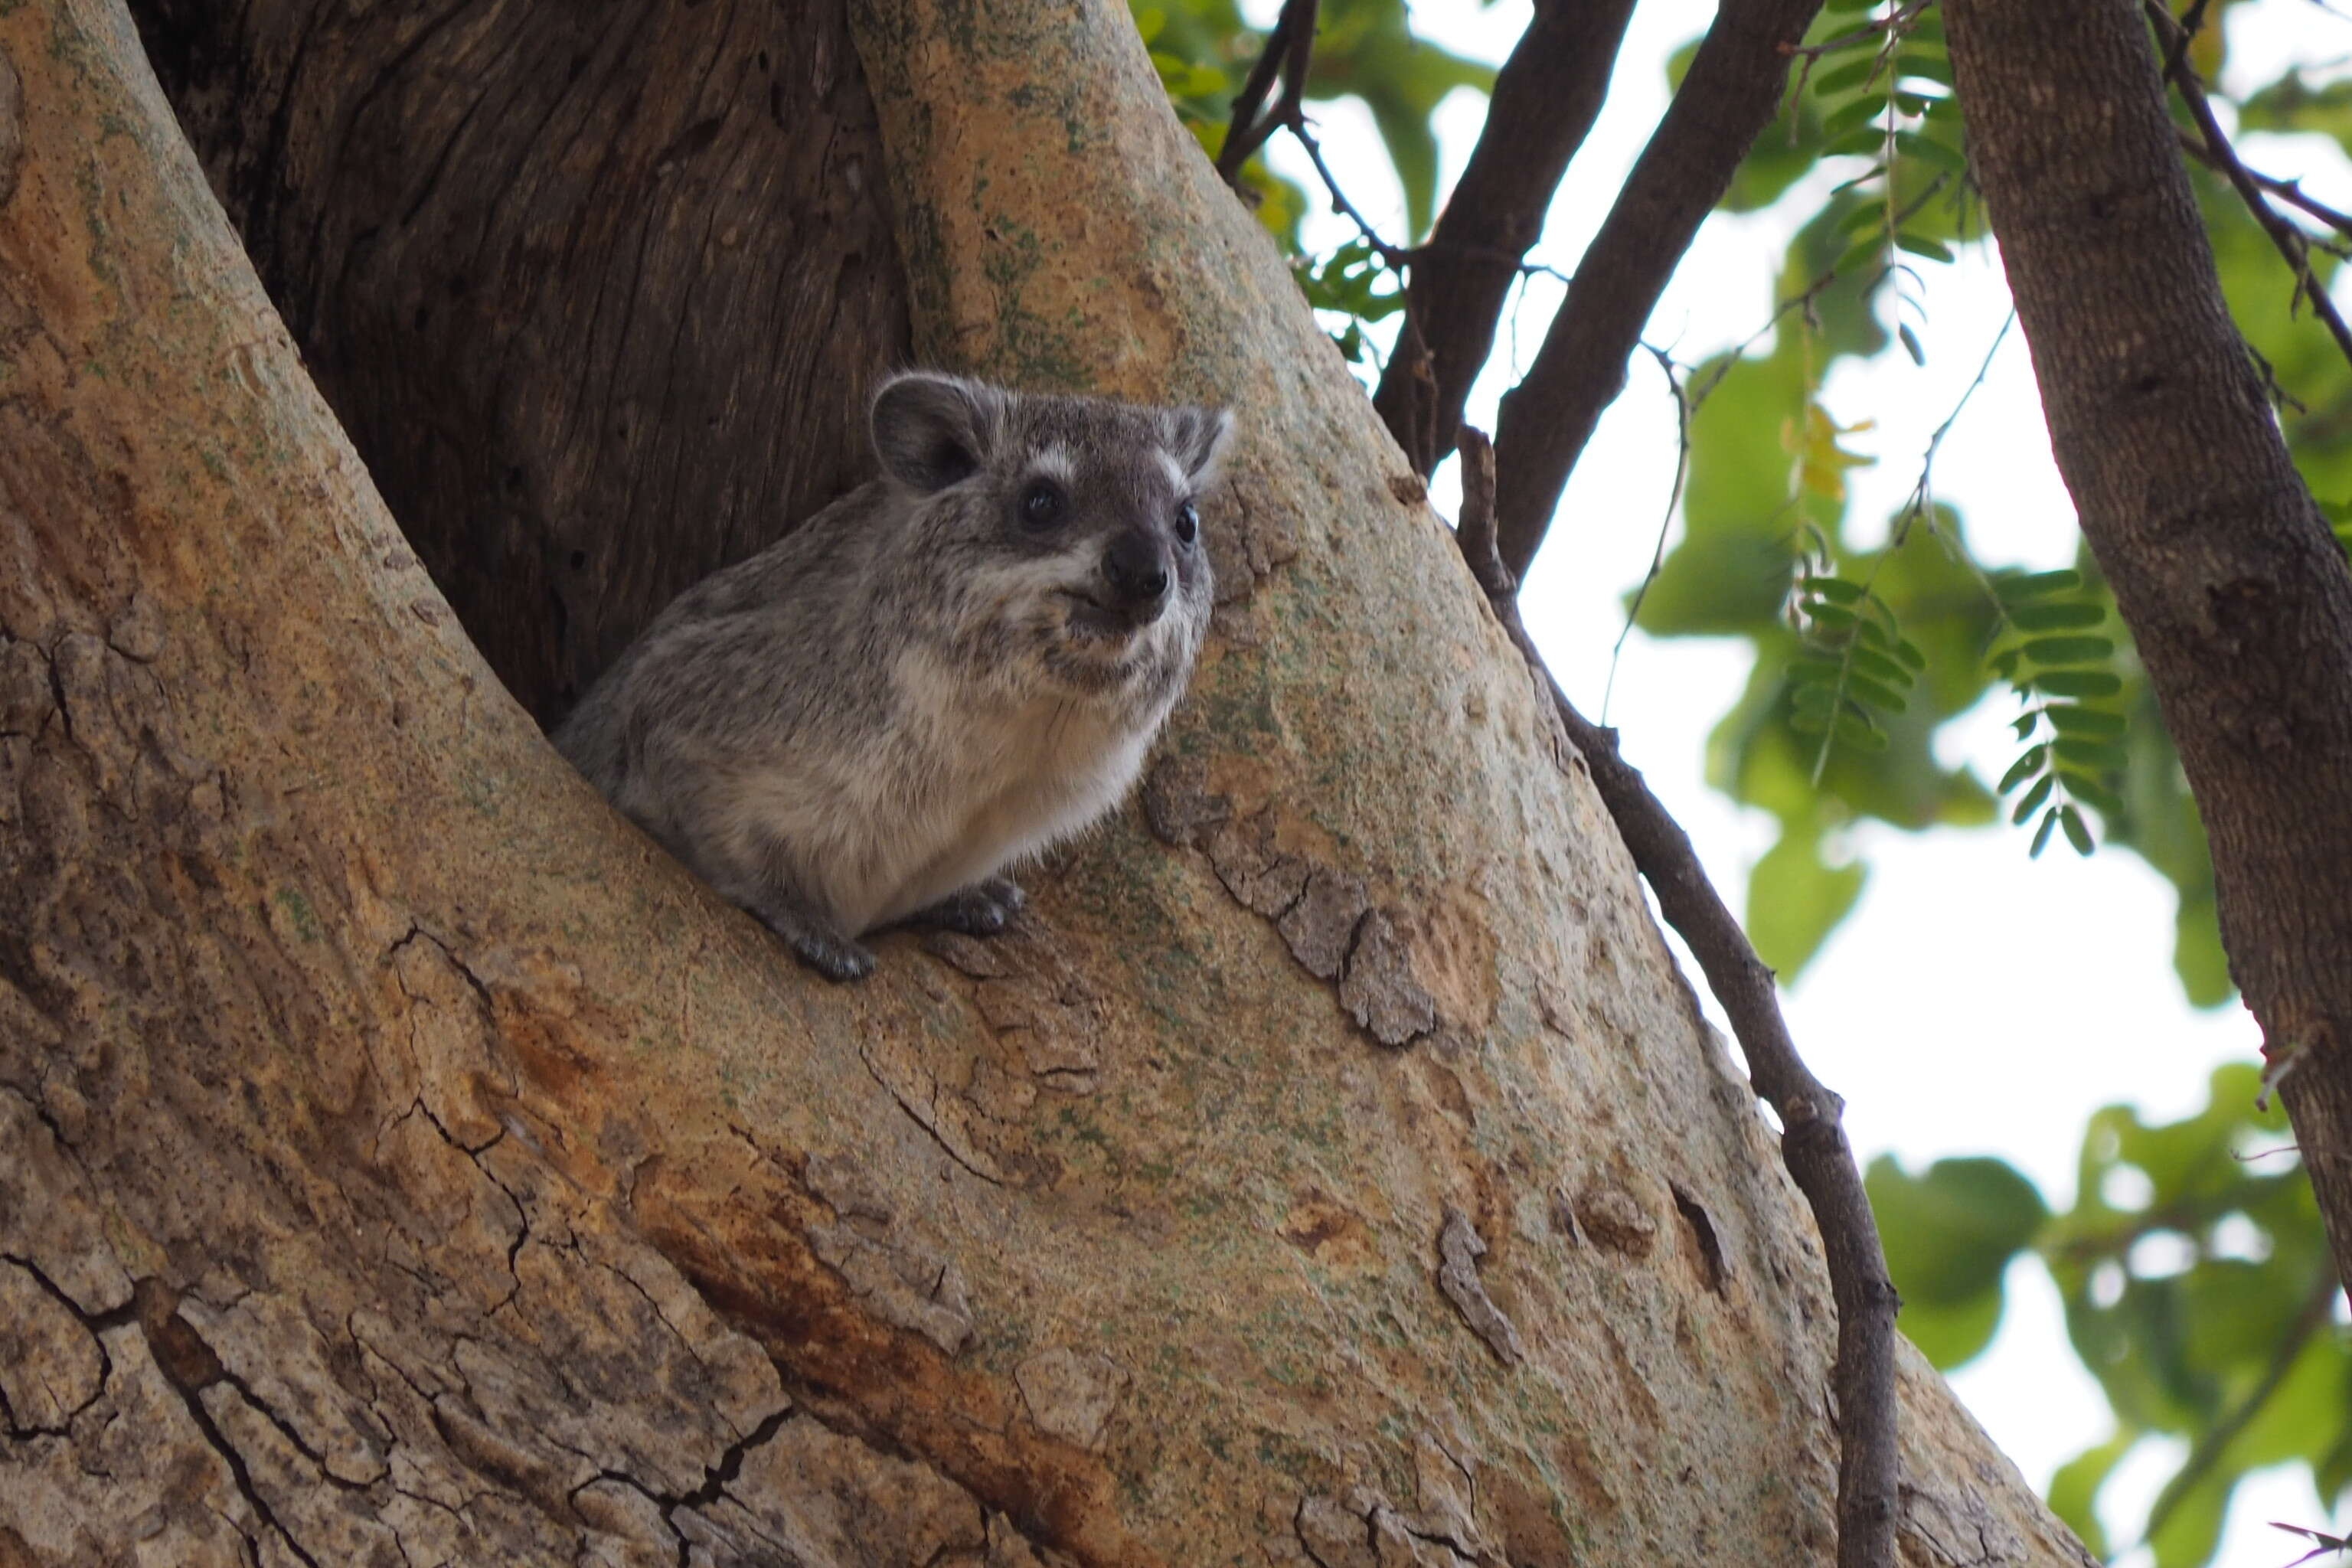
[2189, 1271]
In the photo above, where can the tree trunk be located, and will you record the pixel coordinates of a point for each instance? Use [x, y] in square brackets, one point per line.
[405, 1163]
[2236, 593]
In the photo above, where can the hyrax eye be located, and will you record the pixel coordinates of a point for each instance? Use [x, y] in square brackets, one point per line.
[1041, 504]
[1188, 522]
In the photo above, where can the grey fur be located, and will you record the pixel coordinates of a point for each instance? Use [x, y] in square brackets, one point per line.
[922, 685]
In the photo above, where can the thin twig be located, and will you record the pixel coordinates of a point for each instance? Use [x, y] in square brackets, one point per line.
[1395, 256]
[1922, 497]
[1666, 522]
[2290, 191]
[2293, 245]
[1900, 21]
[2191, 21]
[1812, 1141]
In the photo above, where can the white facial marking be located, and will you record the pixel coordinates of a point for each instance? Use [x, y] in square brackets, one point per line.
[1055, 462]
[1177, 477]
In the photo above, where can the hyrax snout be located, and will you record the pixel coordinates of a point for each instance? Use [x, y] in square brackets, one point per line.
[946, 671]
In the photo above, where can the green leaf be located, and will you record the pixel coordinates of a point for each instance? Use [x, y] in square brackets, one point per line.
[2056, 617]
[1910, 341]
[1927, 68]
[1952, 1334]
[1873, 694]
[2042, 834]
[2069, 651]
[1908, 652]
[1856, 144]
[2188, 1538]
[1836, 590]
[1818, 668]
[1949, 1234]
[1844, 78]
[2074, 1490]
[2098, 756]
[1879, 667]
[1927, 150]
[2073, 718]
[1861, 111]
[2032, 801]
[2197, 953]
[1920, 244]
[2076, 834]
[2077, 682]
[1856, 730]
[2035, 586]
[1835, 615]
[1814, 698]
[1795, 900]
[2024, 768]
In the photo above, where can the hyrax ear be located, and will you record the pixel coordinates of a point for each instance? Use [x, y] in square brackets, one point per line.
[1196, 439]
[932, 430]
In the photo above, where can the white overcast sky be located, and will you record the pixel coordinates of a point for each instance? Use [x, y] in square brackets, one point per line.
[1950, 1025]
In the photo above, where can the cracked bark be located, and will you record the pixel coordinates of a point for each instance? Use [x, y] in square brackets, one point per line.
[424, 1171]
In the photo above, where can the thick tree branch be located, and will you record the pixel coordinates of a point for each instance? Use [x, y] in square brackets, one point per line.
[1813, 1142]
[2237, 595]
[1729, 95]
[1545, 99]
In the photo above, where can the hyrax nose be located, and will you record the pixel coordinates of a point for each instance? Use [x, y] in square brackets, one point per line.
[1136, 570]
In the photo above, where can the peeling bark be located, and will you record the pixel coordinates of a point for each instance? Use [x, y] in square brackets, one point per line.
[402, 1162]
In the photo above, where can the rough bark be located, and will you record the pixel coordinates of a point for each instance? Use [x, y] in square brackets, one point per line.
[2236, 593]
[595, 288]
[404, 1162]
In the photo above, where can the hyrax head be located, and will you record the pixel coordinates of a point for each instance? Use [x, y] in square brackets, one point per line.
[1072, 522]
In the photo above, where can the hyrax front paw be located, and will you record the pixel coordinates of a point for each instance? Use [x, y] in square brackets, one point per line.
[817, 943]
[984, 908]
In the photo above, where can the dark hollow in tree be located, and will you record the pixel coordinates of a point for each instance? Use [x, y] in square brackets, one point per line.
[585, 282]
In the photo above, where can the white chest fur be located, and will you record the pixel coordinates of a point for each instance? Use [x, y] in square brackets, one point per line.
[968, 787]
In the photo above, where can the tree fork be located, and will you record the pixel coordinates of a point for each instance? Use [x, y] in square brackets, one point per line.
[2236, 593]
[500, 1197]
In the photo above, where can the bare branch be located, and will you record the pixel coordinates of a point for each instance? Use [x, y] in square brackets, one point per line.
[1812, 1139]
[1543, 104]
[1289, 50]
[2293, 245]
[1729, 95]
[2290, 191]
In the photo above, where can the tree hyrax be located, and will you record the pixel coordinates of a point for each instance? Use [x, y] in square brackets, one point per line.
[942, 673]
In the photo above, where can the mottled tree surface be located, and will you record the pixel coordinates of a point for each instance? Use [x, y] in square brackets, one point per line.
[404, 1162]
